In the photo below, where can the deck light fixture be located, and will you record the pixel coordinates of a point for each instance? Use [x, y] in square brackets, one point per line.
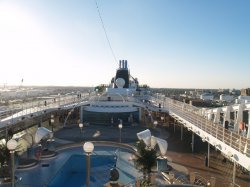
[81, 127]
[52, 121]
[162, 118]
[120, 127]
[88, 148]
[11, 145]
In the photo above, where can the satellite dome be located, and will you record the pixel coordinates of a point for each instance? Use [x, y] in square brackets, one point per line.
[120, 82]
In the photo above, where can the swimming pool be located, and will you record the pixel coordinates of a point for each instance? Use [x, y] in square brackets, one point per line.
[68, 168]
[73, 172]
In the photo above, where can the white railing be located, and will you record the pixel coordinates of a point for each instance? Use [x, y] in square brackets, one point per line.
[19, 110]
[235, 146]
[192, 115]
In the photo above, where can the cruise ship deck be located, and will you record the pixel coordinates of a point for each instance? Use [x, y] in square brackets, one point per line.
[202, 148]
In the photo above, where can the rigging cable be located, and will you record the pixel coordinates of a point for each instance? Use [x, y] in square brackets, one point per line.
[97, 7]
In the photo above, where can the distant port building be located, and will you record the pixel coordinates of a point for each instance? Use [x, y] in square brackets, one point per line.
[227, 98]
[207, 96]
[245, 92]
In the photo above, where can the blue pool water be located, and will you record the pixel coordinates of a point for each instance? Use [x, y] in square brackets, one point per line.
[73, 172]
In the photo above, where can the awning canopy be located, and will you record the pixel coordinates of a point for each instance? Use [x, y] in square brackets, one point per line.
[22, 146]
[163, 146]
[29, 139]
[145, 136]
[42, 133]
[151, 141]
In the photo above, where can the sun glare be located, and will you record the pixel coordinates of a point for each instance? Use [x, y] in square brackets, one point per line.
[25, 45]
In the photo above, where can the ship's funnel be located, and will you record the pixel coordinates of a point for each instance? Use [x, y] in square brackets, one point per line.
[122, 72]
[120, 64]
[123, 64]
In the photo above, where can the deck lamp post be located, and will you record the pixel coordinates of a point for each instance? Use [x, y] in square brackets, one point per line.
[155, 123]
[88, 148]
[80, 126]
[11, 145]
[162, 119]
[52, 121]
[120, 128]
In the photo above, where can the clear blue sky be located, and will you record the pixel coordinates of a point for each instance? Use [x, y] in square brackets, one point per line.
[168, 43]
